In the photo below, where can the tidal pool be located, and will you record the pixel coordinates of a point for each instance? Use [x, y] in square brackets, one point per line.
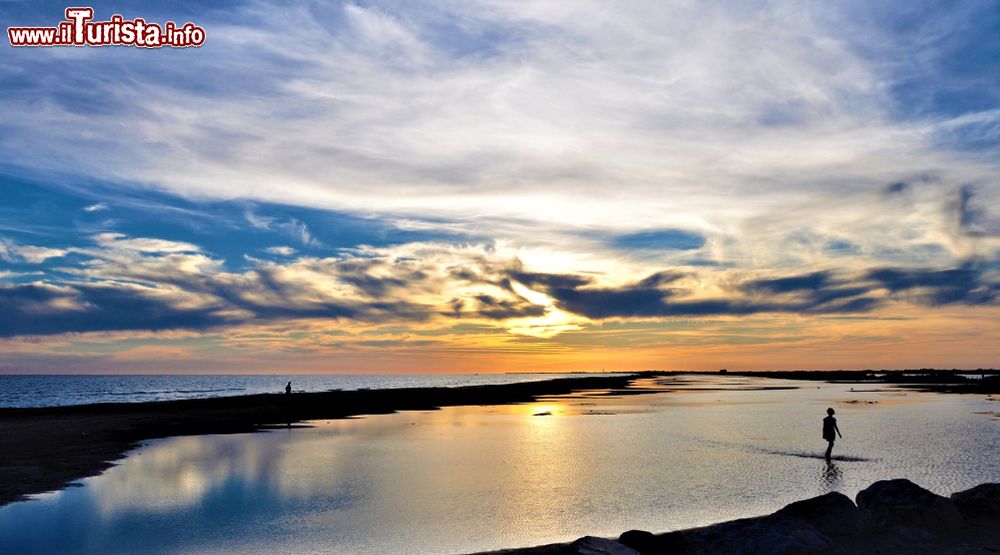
[693, 451]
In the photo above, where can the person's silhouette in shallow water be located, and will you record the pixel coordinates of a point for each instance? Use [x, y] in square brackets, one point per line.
[830, 431]
[288, 389]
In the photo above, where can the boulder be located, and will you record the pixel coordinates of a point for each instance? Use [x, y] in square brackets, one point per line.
[759, 536]
[640, 540]
[646, 543]
[831, 514]
[980, 504]
[592, 545]
[900, 504]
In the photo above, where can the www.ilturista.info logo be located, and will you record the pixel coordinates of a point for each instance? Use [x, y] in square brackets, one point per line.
[79, 30]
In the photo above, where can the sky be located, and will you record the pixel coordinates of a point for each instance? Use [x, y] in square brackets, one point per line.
[497, 186]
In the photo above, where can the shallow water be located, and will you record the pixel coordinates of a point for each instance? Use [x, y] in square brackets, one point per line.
[474, 478]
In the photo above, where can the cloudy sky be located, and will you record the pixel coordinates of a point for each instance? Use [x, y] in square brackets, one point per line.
[490, 185]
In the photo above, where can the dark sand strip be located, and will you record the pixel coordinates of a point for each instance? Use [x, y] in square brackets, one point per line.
[45, 449]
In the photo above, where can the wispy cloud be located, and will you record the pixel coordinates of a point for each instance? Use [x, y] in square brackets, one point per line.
[280, 251]
[292, 227]
[119, 242]
[37, 255]
[497, 110]
[96, 207]
[12, 252]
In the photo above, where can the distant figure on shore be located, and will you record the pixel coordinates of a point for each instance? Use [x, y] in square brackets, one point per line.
[830, 431]
[288, 389]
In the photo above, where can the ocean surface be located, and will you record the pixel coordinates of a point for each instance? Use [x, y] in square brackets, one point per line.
[49, 391]
[693, 451]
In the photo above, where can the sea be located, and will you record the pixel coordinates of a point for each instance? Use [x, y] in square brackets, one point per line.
[60, 390]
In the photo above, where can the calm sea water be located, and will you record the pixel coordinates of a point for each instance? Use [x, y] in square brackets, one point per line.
[48, 391]
[463, 479]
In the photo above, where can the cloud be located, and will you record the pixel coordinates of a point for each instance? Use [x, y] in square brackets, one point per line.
[37, 255]
[42, 309]
[965, 285]
[30, 254]
[118, 241]
[538, 167]
[663, 295]
[971, 216]
[292, 227]
[655, 115]
[491, 308]
[147, 284]
[150, 284]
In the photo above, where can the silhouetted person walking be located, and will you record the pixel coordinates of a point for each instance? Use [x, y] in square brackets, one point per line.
[830, 431]
[288, 389]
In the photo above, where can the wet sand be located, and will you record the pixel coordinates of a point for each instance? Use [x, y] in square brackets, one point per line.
[46, 449]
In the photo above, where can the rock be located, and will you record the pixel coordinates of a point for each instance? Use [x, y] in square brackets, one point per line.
[759, 536]
[674, 543]
[832, 514]
[911, 535]
[640, 540]
[589, 545]
[901, 504]
[592, 545]
[646, 543]
[979, 504]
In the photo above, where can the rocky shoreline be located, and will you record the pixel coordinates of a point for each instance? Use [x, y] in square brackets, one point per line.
[892, 516]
